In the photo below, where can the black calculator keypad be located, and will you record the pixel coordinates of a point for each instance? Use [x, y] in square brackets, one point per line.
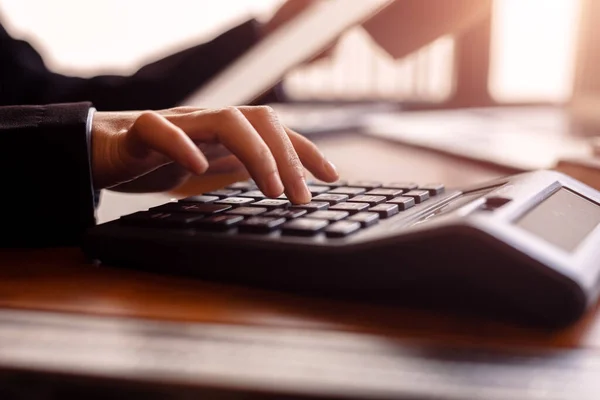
[332, 185]
[329, 215]
[385, 210]
[371, 200]
[196, 208]
[261, 224]
[419, 195]
[219, 222]
[317, 189]
[331, 198]
[434, 189]
[272, 203]
[223, 193]
[342, 228]
[200, 199]
[304, 226]
[369, 185]
[287, 214]
[337, 210]
[387, 193]
[366, 219]
[350, 191]
[247, 211]
[404, 186]
[235, 201]
[403, 203]
[253, 194]
[161, 219]
[352, 208]
[312, 206]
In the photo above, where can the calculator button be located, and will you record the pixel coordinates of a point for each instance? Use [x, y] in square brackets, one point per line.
[247, 211]
[304, 226]
[243, 186]
[404, 203]
[315, 189]
[331, 198]
[197, 208]
[218, 222]
[235, 201]
[312, 206]
[404, 186]
[387, 193]
[385, 210]
[366, 219]
[261, 224]
[272, 204]
[254, 194]
[329, 215]
[199, 199]
[342, 229]
[350, 191]
[287, 214]
[330, 184]
[352, 208]
[223, 193]
[365, 184]
[371, 200]
[161, 219]
[434, 189]
[419, 195]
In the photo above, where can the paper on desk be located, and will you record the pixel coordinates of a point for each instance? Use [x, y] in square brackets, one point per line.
[522, 138]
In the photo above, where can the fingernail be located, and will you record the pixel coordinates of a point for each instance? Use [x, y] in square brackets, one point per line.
[330, 169]
[274, 185]
[299, 191]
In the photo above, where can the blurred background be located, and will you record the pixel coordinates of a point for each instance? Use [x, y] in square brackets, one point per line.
[537, 58]
[532, 47]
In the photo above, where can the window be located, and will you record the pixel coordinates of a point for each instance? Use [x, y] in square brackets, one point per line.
[532, 46]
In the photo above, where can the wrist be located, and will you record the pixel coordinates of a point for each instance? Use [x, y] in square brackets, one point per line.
[89, 124]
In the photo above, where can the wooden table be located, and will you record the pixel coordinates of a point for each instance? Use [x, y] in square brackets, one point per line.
[60, 280]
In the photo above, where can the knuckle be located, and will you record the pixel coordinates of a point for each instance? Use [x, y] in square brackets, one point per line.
[228, 113]
[268, 110]
[292, 162]
[296, 165]
[264, 154]
[144, 117]
[268, 113]
[183, 110]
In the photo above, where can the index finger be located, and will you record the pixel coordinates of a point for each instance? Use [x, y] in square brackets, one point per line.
[231, 128]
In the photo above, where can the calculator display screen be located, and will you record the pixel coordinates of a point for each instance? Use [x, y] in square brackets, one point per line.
[564, 219]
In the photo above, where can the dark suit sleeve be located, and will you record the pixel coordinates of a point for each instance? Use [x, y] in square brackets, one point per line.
[47, 197]
[25, 80]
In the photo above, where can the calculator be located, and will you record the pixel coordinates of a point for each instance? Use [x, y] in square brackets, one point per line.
[525, 246]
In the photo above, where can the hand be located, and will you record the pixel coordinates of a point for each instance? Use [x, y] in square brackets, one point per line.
[160, 149]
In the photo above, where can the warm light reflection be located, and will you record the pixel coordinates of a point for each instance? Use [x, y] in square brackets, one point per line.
[533, 49]
[532, 45]
[87, 36]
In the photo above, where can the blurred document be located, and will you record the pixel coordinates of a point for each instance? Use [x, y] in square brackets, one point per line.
[263, 66]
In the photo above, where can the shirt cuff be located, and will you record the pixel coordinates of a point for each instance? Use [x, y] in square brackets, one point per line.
[88, 132]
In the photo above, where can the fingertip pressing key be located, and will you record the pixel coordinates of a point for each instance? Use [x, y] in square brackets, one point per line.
[298, 192]
[273, 185]
[331, 171]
